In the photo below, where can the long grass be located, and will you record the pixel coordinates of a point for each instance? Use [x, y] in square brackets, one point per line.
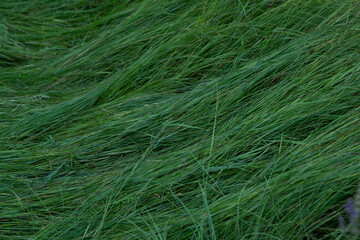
[178, 119]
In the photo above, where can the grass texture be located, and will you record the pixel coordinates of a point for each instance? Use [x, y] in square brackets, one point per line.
[179, 119]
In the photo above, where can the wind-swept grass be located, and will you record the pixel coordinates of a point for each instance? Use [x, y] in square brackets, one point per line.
[178, 119]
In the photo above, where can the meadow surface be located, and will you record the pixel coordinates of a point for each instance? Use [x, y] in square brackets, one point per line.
[179, 119]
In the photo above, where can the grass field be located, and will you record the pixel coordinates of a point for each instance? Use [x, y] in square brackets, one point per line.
[179, 119]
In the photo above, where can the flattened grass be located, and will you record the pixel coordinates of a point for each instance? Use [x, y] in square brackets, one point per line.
[178, 119]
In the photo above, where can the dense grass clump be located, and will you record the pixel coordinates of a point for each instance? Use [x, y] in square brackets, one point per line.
[178, 119]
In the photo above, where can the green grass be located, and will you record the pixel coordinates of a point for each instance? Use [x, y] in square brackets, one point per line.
[178, 119]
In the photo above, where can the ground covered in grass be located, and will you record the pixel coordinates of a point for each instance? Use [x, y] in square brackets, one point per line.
[179, 119]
